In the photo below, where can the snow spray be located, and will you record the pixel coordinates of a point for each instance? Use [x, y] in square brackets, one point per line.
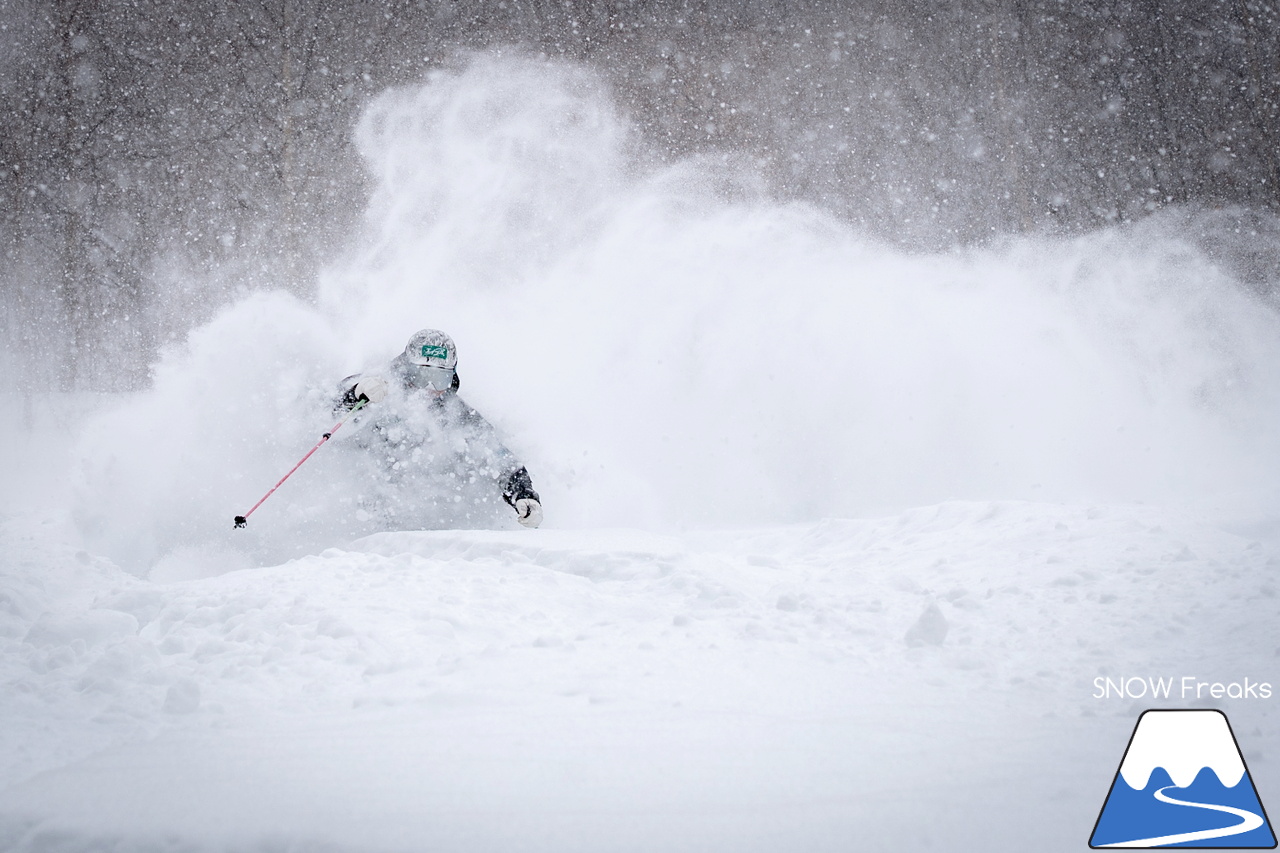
[664, 346]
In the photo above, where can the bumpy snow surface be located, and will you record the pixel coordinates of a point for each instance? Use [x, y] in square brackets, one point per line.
[838, 539]
[615, 690]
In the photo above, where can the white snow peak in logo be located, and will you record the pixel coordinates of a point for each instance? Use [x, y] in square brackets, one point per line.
[1183, 783]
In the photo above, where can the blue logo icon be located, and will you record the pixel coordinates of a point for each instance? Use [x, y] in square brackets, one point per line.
[1183, 783]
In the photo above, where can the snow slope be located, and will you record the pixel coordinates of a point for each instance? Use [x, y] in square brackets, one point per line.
[838, 538]
[617, 690]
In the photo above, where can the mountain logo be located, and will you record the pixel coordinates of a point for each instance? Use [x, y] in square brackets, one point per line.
[1183, 783]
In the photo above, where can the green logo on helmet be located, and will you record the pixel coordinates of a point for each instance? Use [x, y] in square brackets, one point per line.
[434, 351]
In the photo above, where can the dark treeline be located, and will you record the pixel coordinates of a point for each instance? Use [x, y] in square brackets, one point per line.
[160, 157]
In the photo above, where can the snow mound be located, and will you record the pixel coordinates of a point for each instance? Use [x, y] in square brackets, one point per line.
[1183, 743]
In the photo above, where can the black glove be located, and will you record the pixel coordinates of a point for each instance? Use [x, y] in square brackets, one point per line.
[519, 493]
[519, 485]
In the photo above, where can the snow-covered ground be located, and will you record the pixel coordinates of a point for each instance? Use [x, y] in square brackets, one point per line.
[838, 539]
[617, 690]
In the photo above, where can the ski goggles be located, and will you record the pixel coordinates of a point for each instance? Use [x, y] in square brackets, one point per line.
[426, 376]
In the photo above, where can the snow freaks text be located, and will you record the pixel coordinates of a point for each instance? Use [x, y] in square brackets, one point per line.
[1184, 687]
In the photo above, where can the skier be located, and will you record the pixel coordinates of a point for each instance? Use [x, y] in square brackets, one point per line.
[440, 459]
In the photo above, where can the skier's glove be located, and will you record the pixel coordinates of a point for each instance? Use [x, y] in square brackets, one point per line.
[528, 512]
[372, 389]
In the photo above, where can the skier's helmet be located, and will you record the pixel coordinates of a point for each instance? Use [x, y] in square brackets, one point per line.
[431, 357]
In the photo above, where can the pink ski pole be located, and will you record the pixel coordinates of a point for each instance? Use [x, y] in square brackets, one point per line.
[242, 520]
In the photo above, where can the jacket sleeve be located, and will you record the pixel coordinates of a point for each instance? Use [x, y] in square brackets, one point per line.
[512, 476]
